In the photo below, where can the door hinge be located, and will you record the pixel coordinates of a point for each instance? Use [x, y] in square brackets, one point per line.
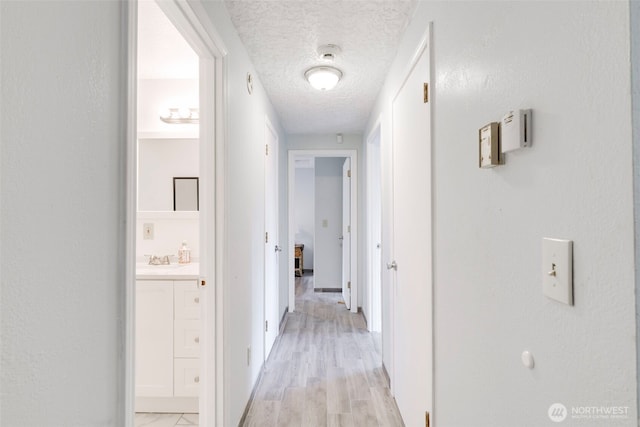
[266, 149]
[426, 92]
[427, 421]
[348, 285]
[266, 237]
[266, 326]
[349, 173]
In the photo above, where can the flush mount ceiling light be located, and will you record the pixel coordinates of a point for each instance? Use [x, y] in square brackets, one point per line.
[323, 78]
[180, 115]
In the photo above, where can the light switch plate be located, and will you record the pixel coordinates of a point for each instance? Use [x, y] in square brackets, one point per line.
[147, 231]
[557, 269]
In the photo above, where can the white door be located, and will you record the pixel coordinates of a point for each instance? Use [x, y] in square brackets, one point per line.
[346, 232]
[271, 248]
[374, 215]
[411, 246]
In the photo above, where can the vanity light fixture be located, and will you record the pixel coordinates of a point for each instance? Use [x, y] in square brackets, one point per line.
[180, 115]
[323, 78]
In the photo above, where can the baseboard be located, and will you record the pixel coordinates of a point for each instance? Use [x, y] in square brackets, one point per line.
[283, 323]
[251, 397]
[283, 319]
[386, 375]
[327, 289]
[366, 323]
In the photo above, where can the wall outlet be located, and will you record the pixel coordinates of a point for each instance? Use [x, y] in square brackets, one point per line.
[147, 231]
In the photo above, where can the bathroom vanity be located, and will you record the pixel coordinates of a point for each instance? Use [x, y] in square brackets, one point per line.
[167, 338]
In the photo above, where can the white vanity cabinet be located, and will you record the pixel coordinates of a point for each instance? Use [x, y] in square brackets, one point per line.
[154, 338]
[186, 339]
[167, 345]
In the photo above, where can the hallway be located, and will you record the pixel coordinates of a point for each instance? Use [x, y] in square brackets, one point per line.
[324, 370]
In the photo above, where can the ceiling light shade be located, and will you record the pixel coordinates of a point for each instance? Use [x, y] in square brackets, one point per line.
[323, 78]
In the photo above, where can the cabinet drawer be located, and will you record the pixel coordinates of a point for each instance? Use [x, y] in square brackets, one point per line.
[187, 299]
[186, 338]
[186, 377]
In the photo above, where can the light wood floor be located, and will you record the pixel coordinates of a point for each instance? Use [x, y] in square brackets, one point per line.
[324, 370]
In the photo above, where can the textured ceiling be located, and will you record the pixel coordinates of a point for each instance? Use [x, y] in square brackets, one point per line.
[282, 38]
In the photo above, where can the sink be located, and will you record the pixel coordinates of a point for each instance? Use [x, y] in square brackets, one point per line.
[144, 269]
[146, 266]
[162, 266]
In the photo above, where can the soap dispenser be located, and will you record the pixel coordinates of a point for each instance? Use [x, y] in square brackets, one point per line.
[184, 254]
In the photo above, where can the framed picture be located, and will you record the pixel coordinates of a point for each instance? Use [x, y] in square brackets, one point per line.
[186, 193]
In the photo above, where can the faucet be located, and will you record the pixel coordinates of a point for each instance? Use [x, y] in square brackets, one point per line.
[158, 260]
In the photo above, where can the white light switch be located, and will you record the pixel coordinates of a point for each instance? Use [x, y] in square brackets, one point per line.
[147, 231]
[557, 269]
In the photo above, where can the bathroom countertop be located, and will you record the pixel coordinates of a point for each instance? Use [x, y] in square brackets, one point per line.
[189, 271]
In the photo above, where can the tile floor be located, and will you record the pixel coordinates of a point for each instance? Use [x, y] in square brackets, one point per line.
[166, 420]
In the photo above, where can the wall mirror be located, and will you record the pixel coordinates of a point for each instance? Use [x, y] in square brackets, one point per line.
[186, 194]
[160, 162]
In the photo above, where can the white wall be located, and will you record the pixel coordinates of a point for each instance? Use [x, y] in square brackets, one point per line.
[635, 79]
[169, 229]
[159, 161]
[304, 213]
[569, 62]
[373, 215]
[244, 178]
[328, 222]
[62, 214]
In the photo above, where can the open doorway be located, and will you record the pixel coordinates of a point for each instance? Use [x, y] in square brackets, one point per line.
[167, 317]
[322, 222]
[174, 336]
[318, 222]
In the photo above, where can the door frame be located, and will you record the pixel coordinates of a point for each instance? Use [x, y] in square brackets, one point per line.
[353, 155]
[424, 43]
[346, 278]
[193, 22]
[275, 153]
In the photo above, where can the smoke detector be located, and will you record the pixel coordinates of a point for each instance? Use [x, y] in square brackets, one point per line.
[328, 52]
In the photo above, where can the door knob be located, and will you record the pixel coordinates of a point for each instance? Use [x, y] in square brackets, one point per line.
[392, 266]
[341, 238]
